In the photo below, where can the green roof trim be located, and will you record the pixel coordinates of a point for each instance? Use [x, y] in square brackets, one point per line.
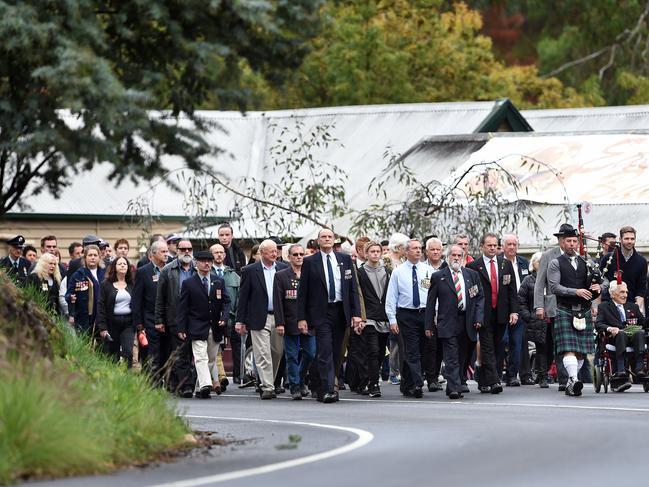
[504, 111]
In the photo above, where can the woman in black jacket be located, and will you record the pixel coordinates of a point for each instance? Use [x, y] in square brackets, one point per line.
[538, 331]
[114, 318]
[46, 278]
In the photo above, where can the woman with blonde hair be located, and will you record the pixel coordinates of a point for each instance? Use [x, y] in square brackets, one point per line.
[83, 290]
[46, 278]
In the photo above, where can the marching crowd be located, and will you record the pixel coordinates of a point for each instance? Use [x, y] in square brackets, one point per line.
[331, 315]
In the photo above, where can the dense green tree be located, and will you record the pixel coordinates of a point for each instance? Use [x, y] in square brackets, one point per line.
[395, 51]
[77, 78]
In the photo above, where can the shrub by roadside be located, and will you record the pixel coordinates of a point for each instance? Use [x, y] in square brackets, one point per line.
[67, 410]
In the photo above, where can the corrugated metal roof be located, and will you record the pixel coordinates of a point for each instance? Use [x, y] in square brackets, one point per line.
[626, 118]
[364, 132]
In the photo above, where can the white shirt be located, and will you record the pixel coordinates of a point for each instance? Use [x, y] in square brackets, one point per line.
[516, 274]
[400, 288]
[269, 275]
[94, 273]
[487, 263]
[337, 276]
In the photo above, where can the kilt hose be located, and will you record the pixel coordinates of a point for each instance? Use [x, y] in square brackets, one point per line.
[567, 338]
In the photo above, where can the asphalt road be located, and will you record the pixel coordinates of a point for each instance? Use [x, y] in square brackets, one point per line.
[525, 436]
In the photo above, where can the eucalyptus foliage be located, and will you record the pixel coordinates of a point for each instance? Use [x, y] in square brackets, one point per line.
[77, 79]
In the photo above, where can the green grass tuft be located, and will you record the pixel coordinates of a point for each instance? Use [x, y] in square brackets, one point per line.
[79, 414]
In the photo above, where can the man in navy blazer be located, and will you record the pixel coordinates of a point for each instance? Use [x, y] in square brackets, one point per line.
[204, 304]
[255, 313]
[458, 304]
[145, 291]
[327, 300]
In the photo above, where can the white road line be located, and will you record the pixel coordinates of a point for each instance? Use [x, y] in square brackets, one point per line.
[477, 404]
[364, 437]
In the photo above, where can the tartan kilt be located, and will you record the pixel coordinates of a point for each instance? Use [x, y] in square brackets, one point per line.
[567, 338]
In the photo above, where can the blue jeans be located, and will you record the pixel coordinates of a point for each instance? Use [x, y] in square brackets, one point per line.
[514, 352]
[298, 363]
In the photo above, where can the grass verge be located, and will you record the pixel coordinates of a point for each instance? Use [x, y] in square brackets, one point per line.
[78, 413]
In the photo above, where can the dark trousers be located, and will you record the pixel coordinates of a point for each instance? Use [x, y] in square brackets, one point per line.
[466, 349]
[452, 364]
[183, 374]
[544, 353]
[365, 357]
[429, 360]
[491, 336]
[329, 334]
[525, 369]
[413, 339]
[123, 334]
[621, 341]
[235, 343]
[157, 354]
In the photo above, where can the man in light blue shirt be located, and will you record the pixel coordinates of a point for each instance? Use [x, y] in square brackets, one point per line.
[405, 307]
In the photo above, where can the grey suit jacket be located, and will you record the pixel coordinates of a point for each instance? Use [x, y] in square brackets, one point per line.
[542, 296]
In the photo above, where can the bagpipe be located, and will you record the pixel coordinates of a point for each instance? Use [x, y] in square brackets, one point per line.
[595, 275]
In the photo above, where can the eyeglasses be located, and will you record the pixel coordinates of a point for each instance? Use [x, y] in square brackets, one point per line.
[297, 254]
[185, 249]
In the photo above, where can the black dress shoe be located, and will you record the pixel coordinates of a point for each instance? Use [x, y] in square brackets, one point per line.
[279, 390]
[224, 384]
[363, 392]
[205, 391]
[329, 398]
[484, 389]
[496, 388]
[434, 387]
[622, 387]
[562, 387]
[455, 395]
[513, 383]
[527, 381]
[187, 393]
[268, 395]
[417, 392]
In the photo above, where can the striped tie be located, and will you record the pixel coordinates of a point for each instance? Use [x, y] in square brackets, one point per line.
[458, 290]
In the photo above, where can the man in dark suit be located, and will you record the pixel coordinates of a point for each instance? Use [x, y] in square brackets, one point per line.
[500, 306]
[204, 305]
[456, 298]
[299, 348]
[256, 314]
[623, 324]
[327, 300]
[518, 356]
[143, 308]
[14, 264]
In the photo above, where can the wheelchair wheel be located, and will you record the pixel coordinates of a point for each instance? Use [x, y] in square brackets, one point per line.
[597, 378]
[605, 382]
[645, 386]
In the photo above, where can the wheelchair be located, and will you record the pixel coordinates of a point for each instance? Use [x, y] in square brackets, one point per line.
[604, 364]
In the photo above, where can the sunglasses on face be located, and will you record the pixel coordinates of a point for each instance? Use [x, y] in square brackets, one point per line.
[184, 249]
[297, 254]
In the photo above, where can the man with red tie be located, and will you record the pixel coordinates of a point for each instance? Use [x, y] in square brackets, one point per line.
[500, 305]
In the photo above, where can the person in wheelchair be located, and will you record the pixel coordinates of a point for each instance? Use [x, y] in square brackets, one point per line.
[623, 324]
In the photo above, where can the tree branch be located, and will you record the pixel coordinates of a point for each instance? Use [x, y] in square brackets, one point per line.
[622, 38]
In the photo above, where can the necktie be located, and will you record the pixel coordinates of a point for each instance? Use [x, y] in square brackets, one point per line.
[332, 284]
[573, 261]
[458, 290]
[494, 283]
[206, 285]
[415, 288]
[16, 267]
[219, 272]
[620, 310]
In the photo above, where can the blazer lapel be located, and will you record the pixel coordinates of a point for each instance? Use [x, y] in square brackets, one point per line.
[259, 270]
[320, 268]
[483, 271]
[448, 277]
